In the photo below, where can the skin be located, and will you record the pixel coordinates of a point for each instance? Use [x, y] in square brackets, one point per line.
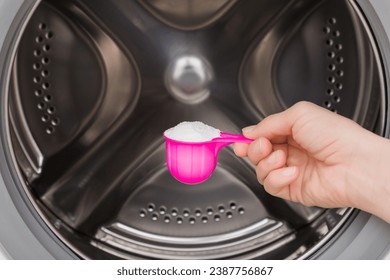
[309, 155]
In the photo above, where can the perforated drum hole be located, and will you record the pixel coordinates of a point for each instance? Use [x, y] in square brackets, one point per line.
[192, 220]
[329, 91]
[36, 66]
[333, 110]
[336, 33]
[51, 110]
[47, 98]
[37, 80]
[331, 80]
[329, 42]
[338, 47]
[210, 211]
[44, 73]
[198, 212]
[174, 212]
[167, 219]
[179, 220]
[41, 106]
[332, 21]
[45, 60]
[217, 218]
[42, 26]
[331, 67]
[186, 212]
[205, 220]
[142, 213]
[46, 48]
[241, 211]
[154, 217]
[151, 207]
[37, 53]
[339, 86]
[233, 205]
[340, 73]
[55, 122]
[336, 99]
[331, 54]
[46, 85]
[38, 93]
[339, 59]
[326, 30]
[50, 130]
[45, 118]
[49, 35]
[163, 210]
[327, 104]
[229, 215]
[38, 39]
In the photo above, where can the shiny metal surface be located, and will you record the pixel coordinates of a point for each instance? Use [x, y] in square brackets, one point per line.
[189, 14]
[188, 78]
[96, 83]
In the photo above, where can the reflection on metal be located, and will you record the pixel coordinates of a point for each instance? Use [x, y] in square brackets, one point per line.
[188, 14]
[188, 78]
[218, 246]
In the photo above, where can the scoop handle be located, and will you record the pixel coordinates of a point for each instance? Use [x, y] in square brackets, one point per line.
[232, 138]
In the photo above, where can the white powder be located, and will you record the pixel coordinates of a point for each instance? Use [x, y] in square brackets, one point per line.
[192, 132]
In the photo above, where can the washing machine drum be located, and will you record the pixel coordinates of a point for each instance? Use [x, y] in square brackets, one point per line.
[89, 87]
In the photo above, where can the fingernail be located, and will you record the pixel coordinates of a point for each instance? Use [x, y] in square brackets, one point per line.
[248, 129]
[289, 171]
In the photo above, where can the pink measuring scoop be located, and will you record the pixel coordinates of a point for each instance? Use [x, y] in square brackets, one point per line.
[194, 162]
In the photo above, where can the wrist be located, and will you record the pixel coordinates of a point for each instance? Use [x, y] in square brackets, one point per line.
[370, 190]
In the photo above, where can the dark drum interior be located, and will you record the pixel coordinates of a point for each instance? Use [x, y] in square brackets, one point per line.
[96, 83]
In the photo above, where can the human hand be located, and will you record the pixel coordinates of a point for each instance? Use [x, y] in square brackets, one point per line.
[312, 156]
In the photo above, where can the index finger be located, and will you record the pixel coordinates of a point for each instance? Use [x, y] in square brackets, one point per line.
[276, 128]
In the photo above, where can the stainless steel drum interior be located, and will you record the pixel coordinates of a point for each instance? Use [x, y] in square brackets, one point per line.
[95, 83]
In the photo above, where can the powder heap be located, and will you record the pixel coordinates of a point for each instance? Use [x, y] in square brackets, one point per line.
[192, 132]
